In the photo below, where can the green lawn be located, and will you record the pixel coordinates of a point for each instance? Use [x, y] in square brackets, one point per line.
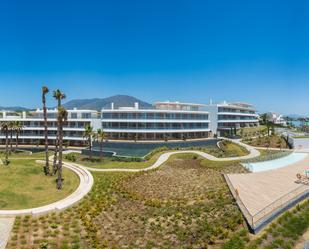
[23, 185]
[109, 162]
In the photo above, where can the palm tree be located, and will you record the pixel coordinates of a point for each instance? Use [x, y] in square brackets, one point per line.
[45, 90]
[58, 95]
[5, 130]
[100, 136]
[61, 118]
[17, 127]
[88, 134]
[11, 130]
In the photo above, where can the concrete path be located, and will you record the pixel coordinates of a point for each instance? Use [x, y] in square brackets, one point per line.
[6, 225]
[86, 183]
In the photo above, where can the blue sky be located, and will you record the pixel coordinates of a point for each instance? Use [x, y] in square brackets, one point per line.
[254, 51]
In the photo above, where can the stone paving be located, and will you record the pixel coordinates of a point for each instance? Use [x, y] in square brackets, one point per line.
[6, 225]
[258, 190]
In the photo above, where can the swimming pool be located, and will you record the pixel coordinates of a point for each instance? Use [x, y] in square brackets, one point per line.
[140, 149]
[275, 164]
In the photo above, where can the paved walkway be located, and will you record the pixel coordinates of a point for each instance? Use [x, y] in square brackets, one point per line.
[6, 225]
[258, 190]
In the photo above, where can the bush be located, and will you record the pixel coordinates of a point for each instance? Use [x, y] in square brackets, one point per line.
[70, 157]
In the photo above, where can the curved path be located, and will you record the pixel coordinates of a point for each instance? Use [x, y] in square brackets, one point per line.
[86, 182]
[165, 156]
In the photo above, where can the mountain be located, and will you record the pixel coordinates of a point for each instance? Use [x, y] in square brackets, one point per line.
[98, 104]
[14, 108]
[296, 116]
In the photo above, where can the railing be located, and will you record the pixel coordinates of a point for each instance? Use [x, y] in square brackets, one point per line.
[279, 204]
[274, 208]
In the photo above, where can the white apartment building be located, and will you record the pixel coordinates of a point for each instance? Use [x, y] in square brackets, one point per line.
[165, 121]
[276, 118]
[33, 125]
[225, 117]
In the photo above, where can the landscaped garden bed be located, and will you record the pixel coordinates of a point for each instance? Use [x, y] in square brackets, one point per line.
[183, 204]
[273, 141]
[267, 155]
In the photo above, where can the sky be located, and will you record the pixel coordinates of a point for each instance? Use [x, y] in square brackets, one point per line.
[157, 50]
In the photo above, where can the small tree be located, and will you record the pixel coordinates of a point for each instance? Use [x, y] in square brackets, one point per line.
[5, 130]
[100, 136]
[88, 134]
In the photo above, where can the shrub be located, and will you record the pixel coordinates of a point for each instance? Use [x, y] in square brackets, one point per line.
[71, 157]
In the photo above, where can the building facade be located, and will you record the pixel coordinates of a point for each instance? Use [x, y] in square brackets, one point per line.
[165, 121]
[33, 126]
[227, 117]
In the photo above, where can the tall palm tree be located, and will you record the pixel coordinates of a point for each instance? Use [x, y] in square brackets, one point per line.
[17, 127]
[5, 130]
[100, 136]
[11, 125]
[61, 118]
[88, 134]
[58, 95]
[45, 90]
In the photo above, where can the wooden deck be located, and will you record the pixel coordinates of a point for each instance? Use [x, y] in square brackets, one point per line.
[258, 190]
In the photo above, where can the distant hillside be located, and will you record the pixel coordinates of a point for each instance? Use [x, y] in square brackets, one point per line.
[296, 116]
[98, 104]
[14, 108]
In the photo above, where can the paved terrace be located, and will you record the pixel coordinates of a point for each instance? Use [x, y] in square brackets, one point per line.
[259, 190]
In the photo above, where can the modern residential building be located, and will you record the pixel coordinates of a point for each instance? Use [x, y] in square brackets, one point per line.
[165, 121]
[276, 118]
[33, 125]
[226, 117]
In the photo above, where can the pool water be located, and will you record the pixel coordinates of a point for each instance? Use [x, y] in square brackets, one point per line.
[275, 164]
[141, 149]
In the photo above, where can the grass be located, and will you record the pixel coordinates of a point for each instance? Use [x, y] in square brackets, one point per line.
[283, 233]
[183, 204]
[227, 149]
[24, 185]
[266, 155]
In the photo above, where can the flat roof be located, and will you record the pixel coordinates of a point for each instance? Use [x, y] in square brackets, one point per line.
[178, 103]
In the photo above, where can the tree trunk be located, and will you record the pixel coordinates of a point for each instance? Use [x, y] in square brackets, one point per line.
[46, 168]
[60, 141]
[90, 148]
[55, 166]
[101, 150]
[6, 145]
[16, 142]
[11, 144]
